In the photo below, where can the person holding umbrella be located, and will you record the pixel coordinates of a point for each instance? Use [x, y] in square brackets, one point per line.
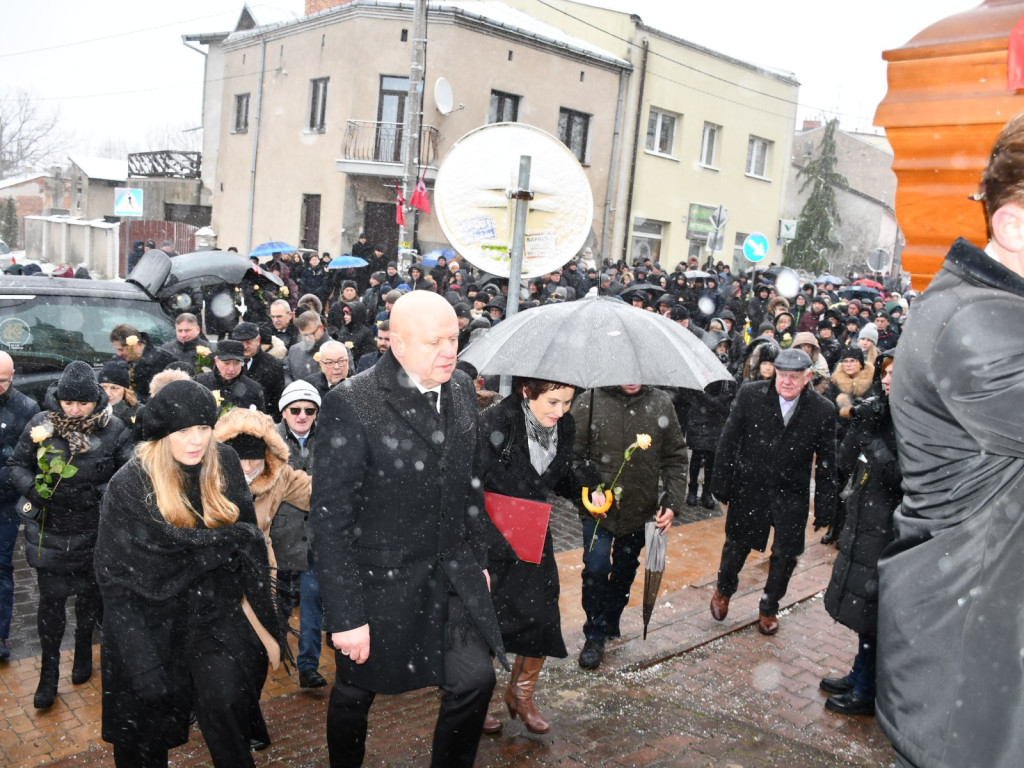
[611, 419]
[526, 449]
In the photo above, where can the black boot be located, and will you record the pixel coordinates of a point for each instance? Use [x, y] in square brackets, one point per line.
[46, 691]
[706, 499]
[830, 536]
[81, 670]
[691, 498]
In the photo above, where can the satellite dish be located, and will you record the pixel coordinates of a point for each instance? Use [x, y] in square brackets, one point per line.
[878, 260]
[476, 213]
[443, 97]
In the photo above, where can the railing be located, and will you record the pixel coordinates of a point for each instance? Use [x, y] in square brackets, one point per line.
[166, 164]
[371, 141]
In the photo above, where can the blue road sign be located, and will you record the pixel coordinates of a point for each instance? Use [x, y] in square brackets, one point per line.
[127, 201]
[755, 247]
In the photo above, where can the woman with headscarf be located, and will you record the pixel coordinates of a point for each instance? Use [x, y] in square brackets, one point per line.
[61, 466]
[185, 577]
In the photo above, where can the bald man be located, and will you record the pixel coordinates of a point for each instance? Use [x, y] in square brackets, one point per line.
[398, 537]
[15, 411]
[335, 362]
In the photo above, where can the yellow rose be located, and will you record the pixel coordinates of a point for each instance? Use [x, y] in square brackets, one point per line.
[350, 345]
[131, 341]
[316, 356]
[644, 441]
[204, 351]
[284, 290]
[217, 397]
[39, 433]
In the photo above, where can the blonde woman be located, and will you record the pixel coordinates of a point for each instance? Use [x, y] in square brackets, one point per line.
[183, 570]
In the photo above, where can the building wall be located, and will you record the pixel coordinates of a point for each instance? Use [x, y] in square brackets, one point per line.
[697, 85]
[35, 197]
[354, 47]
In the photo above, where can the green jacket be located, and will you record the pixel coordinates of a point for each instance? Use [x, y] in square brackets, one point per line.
[617, 420]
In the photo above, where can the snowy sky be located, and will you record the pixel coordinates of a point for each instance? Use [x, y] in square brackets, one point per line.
[123, 78]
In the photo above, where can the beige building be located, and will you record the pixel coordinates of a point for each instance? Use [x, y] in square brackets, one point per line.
[304, 120]
[701, 130]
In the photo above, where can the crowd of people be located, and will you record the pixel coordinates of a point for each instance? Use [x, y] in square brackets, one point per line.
[330, 452]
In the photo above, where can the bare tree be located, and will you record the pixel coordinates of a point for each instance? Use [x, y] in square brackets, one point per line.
[29, 137]
[175, 136]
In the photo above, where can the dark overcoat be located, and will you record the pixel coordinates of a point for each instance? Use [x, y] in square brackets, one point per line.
[763, 467]
[950, 678]
[868, 456]
[525, 594]
[397, 522]
[267, 371]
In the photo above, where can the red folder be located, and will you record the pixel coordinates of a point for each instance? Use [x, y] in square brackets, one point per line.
[522, 522]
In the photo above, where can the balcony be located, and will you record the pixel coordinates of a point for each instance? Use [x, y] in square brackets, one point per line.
[372, 148]
[168, 164]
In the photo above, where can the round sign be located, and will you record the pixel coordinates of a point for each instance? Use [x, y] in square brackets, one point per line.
[755, 247]
[476, 211]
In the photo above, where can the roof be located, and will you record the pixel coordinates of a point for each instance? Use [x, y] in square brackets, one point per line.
[101, 167]
[488, 12]
[15, 181]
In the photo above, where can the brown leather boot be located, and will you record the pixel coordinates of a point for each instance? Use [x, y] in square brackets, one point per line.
[510, 690]
[492, 724]
[525, 684]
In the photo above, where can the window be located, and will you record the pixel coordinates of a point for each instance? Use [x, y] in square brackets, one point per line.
[573, 131]
[241, 113]
[757, 157]
[647, 236]
[737, 251]
[661, 132]
[504, 108]
[318, 104]
[709, 145]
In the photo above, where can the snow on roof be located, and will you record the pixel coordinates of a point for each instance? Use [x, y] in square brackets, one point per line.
[15, 181]
[101, 167]
[488, 11]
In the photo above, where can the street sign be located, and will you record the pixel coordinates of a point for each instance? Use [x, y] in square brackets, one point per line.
[787, 229]
[755, 247]
[719, 217]
[127, 201]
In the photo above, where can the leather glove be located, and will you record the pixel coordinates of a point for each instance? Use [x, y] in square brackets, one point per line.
[151, 686]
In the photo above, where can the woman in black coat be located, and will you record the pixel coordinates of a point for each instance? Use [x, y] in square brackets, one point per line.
[706, 414]
[77, 428]
[184, 571]
[868, 454]
[527, 452]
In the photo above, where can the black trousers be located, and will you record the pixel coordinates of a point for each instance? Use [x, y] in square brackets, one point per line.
[697, 459]
[225, 704]
[466, 692]
[780, 569]
[51, 619]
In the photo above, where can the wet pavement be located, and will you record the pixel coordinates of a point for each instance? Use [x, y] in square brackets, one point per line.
[696, 692]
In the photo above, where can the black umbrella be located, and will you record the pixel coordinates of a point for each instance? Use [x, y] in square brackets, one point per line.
[857, 292]
[639, 288]
[596, 342]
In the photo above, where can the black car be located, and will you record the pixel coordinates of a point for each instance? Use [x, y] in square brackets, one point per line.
[46, 322]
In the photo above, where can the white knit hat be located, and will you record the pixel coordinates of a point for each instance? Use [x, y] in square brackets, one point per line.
[298, 390]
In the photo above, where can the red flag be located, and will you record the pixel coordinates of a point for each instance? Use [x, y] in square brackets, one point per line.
[419, 197]
[399, 206]
[1015, 58]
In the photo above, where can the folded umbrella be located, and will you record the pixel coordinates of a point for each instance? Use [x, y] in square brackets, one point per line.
[596, 342]
[655, 544]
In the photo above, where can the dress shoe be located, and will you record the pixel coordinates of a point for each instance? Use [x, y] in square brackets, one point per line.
[5, 652]
[81, 669]
[258, 745]
[829, 537]
[850, 704]
[707, 500]
[311, 678]
[492, 724]
[836, 685]
[767, 625]
[592, 653]
[719, 606]
[691, 499]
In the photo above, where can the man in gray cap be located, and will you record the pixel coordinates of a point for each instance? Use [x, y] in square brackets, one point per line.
[778, 433]
[262, 368]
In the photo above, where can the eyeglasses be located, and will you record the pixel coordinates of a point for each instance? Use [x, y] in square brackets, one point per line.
[310, 336]
[332, 363]
[297, 411]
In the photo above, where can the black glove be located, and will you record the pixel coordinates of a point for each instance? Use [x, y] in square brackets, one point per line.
[151, 686]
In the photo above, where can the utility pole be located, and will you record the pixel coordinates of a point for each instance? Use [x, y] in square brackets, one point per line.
[413, 116]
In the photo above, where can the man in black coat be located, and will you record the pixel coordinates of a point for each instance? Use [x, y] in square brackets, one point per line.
[399, 537]
[188, 336]
[145, 359]
[777, 435]
[227, 381]
[266, 370]
[15, 411]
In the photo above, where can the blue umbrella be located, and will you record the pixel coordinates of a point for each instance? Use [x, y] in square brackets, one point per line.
[266, 250]
[346, 261]
[430, 259]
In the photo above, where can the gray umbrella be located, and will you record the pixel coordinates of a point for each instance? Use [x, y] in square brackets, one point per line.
[596, 342]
